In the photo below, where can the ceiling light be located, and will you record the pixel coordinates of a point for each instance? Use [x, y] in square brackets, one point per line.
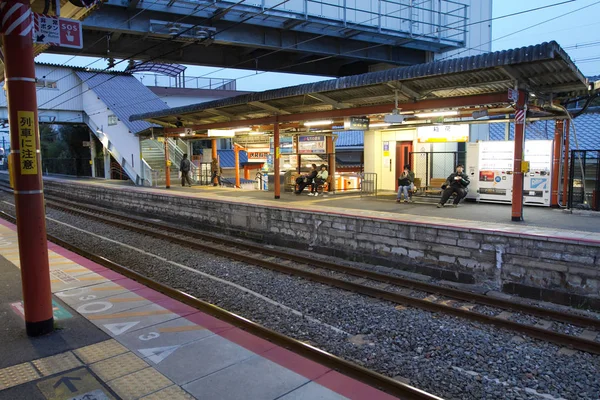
[379, 125]
[221, 133]
[246, 129]
[436, 114]
[319, 123]
[182, 134]
[256, 133]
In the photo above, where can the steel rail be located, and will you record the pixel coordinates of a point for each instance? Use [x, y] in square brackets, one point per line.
[376, 276]
[574, 342]
[369, 377]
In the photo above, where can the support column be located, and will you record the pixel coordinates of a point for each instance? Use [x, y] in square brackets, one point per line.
[167, 165]
[559, 126]
[246, 172]
[517, 193]
[330, 146]
[276, 158]
[565, 194]
[106, 163]
[214, 157]
[236, 153]
[93, 155]
[25, 149]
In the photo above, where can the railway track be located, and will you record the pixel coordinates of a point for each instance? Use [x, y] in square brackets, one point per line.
[369, 377]
[395, 289]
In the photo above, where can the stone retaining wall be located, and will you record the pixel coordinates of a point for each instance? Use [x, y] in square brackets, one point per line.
[557, 270]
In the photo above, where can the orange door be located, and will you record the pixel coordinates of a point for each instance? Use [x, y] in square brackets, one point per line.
[403, 151]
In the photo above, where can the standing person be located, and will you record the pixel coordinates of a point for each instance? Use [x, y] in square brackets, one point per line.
[405, 183]
[305, 180]
[216, 171]
[457, 183]
[185, 167]
[320, 179]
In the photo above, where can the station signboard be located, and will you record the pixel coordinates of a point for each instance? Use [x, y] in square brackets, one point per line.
[356, 123]
[443, 133]
[311, 145]
[258, 155]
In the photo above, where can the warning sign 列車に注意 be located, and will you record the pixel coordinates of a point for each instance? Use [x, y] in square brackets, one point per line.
[29, 164]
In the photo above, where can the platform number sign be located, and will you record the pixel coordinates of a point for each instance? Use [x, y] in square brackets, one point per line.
[28, 154]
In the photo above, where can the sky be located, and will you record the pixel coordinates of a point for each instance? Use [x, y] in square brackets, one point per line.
[575, 32]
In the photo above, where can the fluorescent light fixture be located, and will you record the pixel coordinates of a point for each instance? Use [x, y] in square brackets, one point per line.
[436, 114]
[220, 133]
[379, 125]
[256, 133]
[182, 134]
[319, 123]
[246, 129]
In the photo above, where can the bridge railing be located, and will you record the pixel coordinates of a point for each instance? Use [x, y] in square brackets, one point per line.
[187, 82]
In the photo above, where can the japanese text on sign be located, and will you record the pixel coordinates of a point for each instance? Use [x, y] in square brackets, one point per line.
[57, 31]
[311, 144]
[27, 143]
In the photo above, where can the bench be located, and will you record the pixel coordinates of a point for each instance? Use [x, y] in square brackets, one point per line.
[324, 187]
[435, 186]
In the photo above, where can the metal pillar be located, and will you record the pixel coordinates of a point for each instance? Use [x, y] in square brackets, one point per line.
[106, 163]
[236, 153]
[559, 126]
[246, 172]
[276, 158]
[566, 164]
[517, 193]
[25, 149]
[330, 146]
[167, 165]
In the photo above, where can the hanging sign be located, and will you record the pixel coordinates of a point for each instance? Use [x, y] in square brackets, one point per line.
[311, 144]
[513, 95]
[357, 123]
[27, 143]
[56, 31]
[443, 133]
[258, 155]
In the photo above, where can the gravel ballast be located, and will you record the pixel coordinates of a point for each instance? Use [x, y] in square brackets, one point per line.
[447, 356]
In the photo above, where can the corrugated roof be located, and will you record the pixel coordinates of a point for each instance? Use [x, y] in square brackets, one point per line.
[350, 139]
[545, 68]
[587, 126]
[124, 95]
[227, 158]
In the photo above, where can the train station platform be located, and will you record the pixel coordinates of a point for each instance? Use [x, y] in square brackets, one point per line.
[553, 255]
[117, 339]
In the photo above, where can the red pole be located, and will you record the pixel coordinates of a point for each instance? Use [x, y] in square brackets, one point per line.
[517, 194]
[236, 152]
[167, 164]
[276, 157]
[214, 156]
[559, 126]
[25, 149]
[565, 195]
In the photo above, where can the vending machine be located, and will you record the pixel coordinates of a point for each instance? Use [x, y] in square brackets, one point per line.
[490, 169]
[491, 173]
[537, 182]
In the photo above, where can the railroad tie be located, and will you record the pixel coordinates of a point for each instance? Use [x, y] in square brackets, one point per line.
[505, 315]
[588, 335]
[542, 323]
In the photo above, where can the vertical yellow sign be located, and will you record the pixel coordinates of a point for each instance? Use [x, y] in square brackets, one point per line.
[27, 143]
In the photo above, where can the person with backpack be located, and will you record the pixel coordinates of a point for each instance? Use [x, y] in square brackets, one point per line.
[184, 168]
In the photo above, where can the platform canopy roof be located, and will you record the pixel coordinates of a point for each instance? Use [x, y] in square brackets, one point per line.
[545, 70]
[67, 10]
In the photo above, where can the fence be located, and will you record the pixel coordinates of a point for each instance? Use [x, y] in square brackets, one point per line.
[584, 179]
[428, 165]
[202, 174]
[368, 185]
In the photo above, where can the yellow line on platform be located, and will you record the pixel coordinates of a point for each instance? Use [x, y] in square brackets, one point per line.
[126, 300]
[182, 328]
[129, 314]
[107, 288]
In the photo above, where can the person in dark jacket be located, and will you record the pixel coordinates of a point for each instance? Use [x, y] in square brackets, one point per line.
[305, 180]
[185, 167]
[405, 182]
[217, 171]
[457, 183]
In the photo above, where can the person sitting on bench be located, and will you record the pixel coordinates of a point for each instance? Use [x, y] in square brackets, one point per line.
[320, 179]
[305, 180]
[405, 183]
[457, 183]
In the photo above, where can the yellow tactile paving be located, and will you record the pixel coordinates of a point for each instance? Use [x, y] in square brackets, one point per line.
[100, 351]
[17, 375]
[56, 364]
[119, 366]
[171, 393]
[128, 314]
[139, 384]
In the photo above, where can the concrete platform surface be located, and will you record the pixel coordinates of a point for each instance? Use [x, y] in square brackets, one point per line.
[538, 221]
[120, 340]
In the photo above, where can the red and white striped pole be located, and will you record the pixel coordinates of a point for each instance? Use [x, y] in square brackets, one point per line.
[16, 27]
[518, 175]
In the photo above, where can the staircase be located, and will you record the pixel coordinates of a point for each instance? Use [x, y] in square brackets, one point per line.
[153, 153]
